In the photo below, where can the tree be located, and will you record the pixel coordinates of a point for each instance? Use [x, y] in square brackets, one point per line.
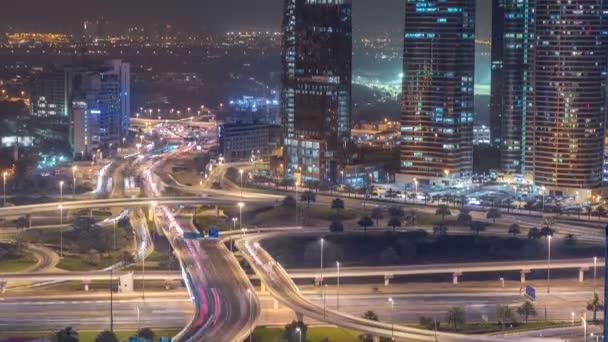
[106, 336]
[508, 203]
[589, 211]
[336, 227]
[427, 322]
[394, 222]
[595, 305]
[600, 212]
[504, 314]
[147, 334]
[546, 231]
[526, 310]
[477, 227]
[514, 229]
[308, 196]
[412, 216]
[396, 211]
[464, 217]
[289, 201]
[493, 214]
[337, 204]
[377, 214]
[440, 229]
[66, 335]
[533, 233]
[443, 211]
[294, 330]
[365, 222]
[456, 317]
[370, 315]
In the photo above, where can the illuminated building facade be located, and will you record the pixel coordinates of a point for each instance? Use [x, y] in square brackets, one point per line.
[437, 103]
[316, 87]
[565, 124]
[49, 94]
[512, 34]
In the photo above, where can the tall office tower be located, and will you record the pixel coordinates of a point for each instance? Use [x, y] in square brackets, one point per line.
[565, 124]
[512, 41]
[316, 94]
[437, 103]
[49, 94]
[496, 104]
[101, 104]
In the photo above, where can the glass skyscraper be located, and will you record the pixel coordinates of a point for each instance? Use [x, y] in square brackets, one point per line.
[565, 121]
[437, 103]
[512, 42]
[316, 92]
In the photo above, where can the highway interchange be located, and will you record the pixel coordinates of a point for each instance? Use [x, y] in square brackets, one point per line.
[226, 305]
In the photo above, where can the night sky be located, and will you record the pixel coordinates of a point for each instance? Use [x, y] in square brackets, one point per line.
[63, 15]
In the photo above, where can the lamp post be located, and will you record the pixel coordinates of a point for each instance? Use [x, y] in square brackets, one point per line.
[241, 173]
[542, 189]
[322, 245]
[234, 219]
[250, 326]
[342, 175]
[338, 287]
[549, 264]
[241, 205]
[299, 333]
[74, 168]
[392, 302]
[416, 193]
[296, 197]
[61, 191]
[4, 187]
[594, 274]
[61, 231]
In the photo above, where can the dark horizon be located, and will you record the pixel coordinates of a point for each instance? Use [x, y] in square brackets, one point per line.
[197, 15]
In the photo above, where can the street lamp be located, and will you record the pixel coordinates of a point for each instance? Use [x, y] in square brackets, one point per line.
[74, 168]
[342, 175]
[61, 191]
[542, 189]
[241, 173]
[61, 231]
[549, 264]
[299, 333]
[234, 219]
[416, 185]
[322, 245]
[392, 302]
[296, 187]
[241, 205]
[338, 288]
[594, 274]
[251, 326]
[4, 187]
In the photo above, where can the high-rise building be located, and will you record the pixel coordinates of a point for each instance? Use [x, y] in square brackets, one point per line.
[316, 94]
[437, 105]
[496, 103]
[91, 102]
[512, 42]
[565, 123]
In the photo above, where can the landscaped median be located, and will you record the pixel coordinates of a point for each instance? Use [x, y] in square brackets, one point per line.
[14, 257]
[84, 335]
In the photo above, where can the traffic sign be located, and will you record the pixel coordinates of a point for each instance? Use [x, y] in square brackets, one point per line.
[194, 236]
[164, 339]
[531, 292]
[213, 233]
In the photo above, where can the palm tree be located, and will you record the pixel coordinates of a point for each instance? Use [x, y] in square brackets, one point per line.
[66, 335]
[370, 315]
[376, 214]
[514, 229]
[308, 196]
[443, 211]
[464, 217]
[106, 336]
[595, 305]
[337, 204]
[493, 213]
[394, 222]
[440, 229]
[365, 222]
[508, 203]
[412, 216]
[146, 333]
[336, 227]
[504, 314]
[589, 211]
[396, 211]
[526, 310]
[533, 233]
[546, 231]
[600, 212]
[456, 317]
[477, 227]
